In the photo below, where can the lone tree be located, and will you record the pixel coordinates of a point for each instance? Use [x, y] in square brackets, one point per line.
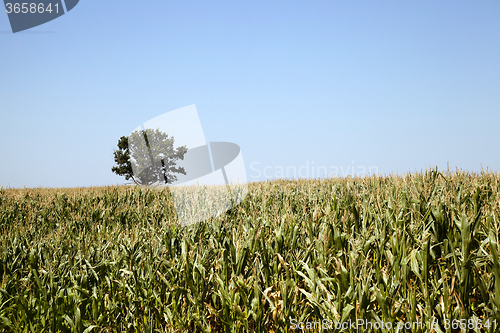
[148, 157]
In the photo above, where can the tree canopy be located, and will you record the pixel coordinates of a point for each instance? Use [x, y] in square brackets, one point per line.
[148, 157]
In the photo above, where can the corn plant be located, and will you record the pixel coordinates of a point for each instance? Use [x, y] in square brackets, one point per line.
[420, 247]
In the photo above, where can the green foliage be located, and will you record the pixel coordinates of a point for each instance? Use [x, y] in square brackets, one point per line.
[122, 159]
[148, 157]
[420, 247]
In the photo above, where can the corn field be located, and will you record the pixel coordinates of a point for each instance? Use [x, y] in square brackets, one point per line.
[414, 248]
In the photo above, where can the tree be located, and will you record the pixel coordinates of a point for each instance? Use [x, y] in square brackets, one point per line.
[148, 157]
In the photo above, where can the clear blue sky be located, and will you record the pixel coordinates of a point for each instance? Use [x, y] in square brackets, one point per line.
[399, 85]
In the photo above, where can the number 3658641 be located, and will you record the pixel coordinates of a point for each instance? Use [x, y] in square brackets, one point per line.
[30, 8]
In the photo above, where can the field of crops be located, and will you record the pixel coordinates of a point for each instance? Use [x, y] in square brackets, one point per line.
[392, 249]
